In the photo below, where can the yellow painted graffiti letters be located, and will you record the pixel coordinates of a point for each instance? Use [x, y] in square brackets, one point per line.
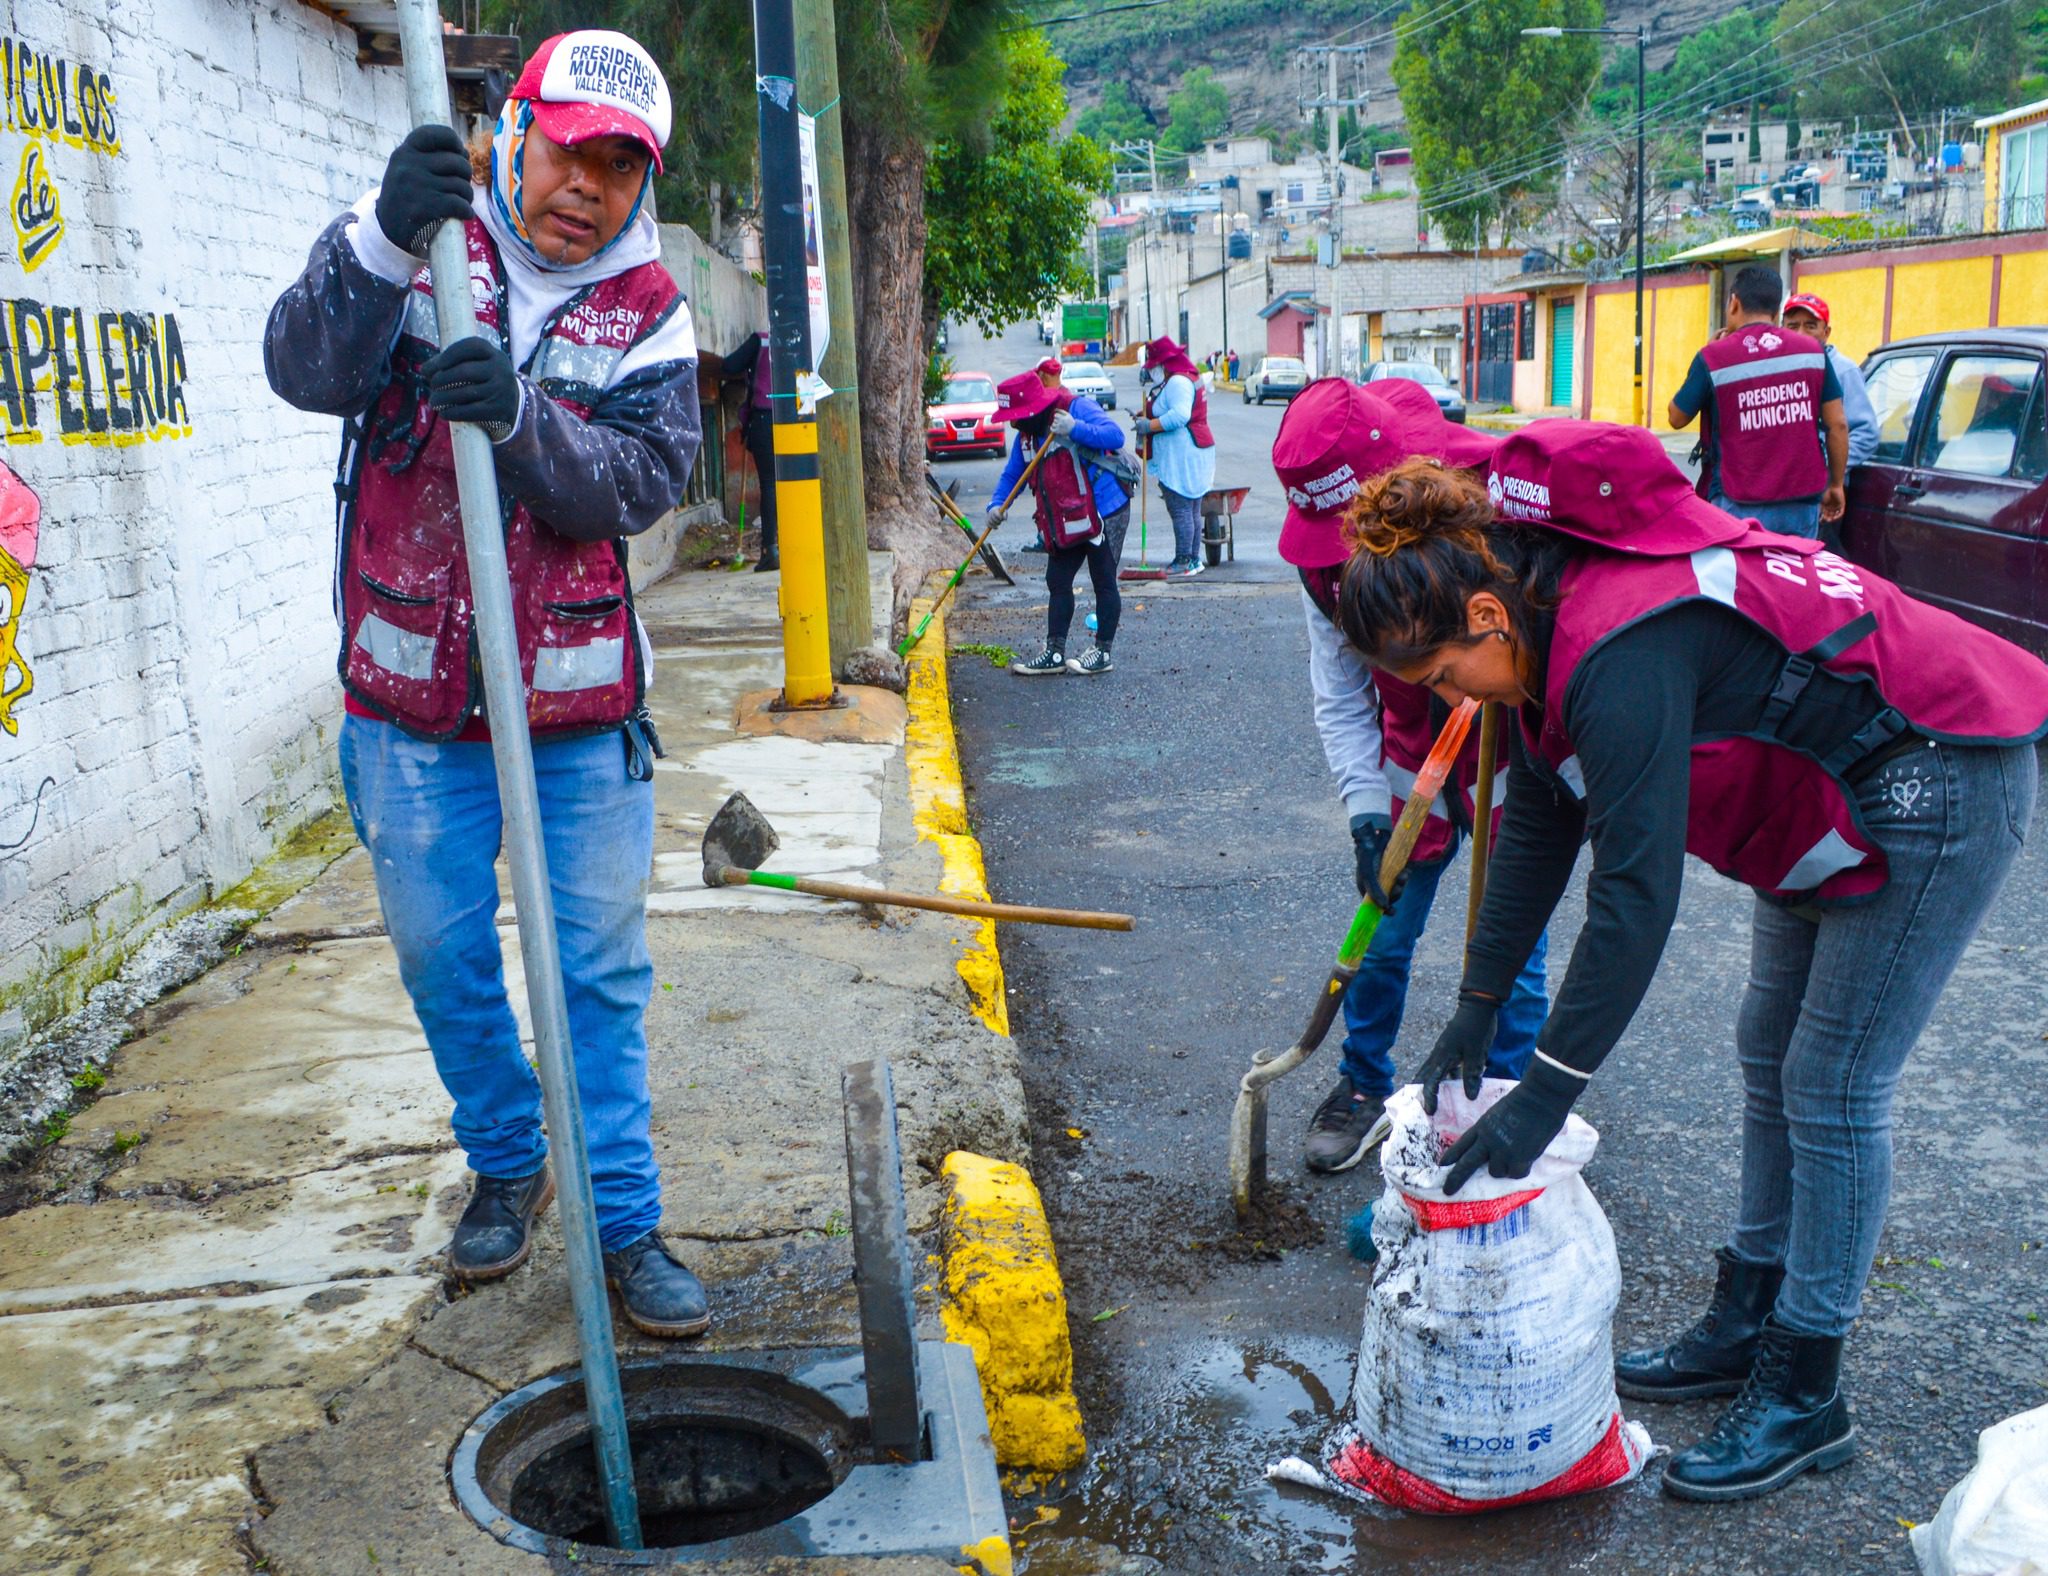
[107, 377]
[36, 210]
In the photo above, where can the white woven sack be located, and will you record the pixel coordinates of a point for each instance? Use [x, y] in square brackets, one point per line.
[1995, 1521]
[1486, 1366]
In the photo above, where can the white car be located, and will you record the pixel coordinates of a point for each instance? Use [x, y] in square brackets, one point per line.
[1278, 377]
[1087, 377]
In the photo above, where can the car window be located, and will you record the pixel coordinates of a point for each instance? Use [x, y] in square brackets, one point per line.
[1281, 364]
[1416, 372]
[1081, 369]
[1894, 383]
[1978, 413]
[965, 391]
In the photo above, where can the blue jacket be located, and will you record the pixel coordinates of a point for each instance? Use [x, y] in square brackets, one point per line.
[1094, 428]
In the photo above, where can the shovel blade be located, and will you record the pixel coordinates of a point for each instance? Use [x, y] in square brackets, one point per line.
[738, 838]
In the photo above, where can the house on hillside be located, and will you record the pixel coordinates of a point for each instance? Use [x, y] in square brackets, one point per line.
[2016, 167]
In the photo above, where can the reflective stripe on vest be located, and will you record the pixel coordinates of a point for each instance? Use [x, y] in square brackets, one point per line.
[557, 669]
[400, 651]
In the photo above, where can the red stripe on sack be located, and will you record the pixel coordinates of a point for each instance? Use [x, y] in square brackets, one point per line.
[1447, 1215]
[1365, 1469]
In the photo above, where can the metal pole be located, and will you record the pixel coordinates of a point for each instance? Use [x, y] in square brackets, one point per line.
[799, 495]
[476, 479]
[1642, 181]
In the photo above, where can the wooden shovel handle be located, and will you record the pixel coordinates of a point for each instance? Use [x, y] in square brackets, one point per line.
[1016, 913]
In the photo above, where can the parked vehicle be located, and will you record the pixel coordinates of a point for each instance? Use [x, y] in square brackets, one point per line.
[1448, 399]
[1087, 377]
[1954, 504]
[1277, 377]
[963, 419]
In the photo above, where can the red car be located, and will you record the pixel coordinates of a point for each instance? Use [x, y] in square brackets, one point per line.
[1953, 506]
[963, 421]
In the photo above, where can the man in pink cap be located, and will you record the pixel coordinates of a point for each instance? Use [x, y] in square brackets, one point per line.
[1806, 313]
[584, 374]
[1375, 731]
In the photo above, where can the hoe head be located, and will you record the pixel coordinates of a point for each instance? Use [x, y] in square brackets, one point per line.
[738, 838]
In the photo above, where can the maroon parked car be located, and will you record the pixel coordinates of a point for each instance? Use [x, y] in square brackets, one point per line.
[1954, 504]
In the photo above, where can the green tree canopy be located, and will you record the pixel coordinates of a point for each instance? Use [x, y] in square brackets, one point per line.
[1729, 61]
[1483, 102]
[1198, 109]
[1005, 223]
[1118, 118]
[1877, 57]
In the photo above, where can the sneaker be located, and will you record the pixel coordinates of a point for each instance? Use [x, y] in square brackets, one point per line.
[1050, 661]
[1092, 661]
[1194, 567]
[1345, 1127]
[495, 1234]
[661, 1296]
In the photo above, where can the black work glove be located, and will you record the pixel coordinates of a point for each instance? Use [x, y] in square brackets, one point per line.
[1461, 1050]
[425, 182]
[1369, 837]
[473, 380]
[1509, 1139]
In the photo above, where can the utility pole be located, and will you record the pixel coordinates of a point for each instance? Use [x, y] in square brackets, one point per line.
[849, 607]
[806, 633]
[1328, 55]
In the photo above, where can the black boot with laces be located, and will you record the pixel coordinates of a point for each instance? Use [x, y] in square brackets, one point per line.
[1714, 1356]
[1790, 1417]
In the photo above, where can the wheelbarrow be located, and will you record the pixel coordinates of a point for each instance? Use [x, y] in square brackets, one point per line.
[1219, 529]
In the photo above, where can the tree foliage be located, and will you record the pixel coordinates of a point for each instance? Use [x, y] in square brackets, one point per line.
[1881, 57]
[1005, 222]
[1729, 61]
[1479, 97]
[1197, 110]
[1118, 118]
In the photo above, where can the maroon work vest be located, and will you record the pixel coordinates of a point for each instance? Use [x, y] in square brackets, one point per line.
[408, 647]
[1762, 812]
[1063, 501]
[1767, 388]
[1410, 718]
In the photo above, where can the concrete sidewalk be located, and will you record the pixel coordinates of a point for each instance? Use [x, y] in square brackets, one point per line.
[231, 1345]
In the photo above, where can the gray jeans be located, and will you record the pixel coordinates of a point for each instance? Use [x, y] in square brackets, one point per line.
[1837, 998]
[1186, 514]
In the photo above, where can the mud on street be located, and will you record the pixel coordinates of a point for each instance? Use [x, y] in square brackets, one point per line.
[1187, 787]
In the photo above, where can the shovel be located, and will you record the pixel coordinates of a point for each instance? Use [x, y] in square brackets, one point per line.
[904, 645]
[1248, 1116]
[951, 510]
[739, 838]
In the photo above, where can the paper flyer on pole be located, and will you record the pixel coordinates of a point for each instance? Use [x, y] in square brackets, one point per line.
[813, 388]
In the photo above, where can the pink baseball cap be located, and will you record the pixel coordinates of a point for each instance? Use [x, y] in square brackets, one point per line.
[1049, 364]
[1022, 396]
[595, 83]
[1604, 483]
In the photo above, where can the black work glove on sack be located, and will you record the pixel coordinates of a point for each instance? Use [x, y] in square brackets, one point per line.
[473, 380]
[1510, 1138]
[1461, 1050]
[425, 182]
[1370, 835]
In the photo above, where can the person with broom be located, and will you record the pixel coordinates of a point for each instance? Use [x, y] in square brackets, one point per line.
[1080, 505]
[1174, 431]
[1376, 731]
[584, 374]
[1687, 682]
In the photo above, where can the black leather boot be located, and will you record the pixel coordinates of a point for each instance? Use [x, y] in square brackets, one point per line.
[1790, 1416]
[496, 1231]
[1714, 1356]
[661, 1296]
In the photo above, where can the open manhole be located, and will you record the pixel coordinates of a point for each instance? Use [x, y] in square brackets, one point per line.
[719, 1452]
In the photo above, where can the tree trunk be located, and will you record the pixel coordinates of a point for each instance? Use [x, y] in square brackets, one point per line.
[885, 200]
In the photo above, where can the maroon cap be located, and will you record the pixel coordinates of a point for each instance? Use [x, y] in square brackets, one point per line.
[1021, 396]
[1603, 483]
[1049, 364]
[1335, 434]
[1429, 431]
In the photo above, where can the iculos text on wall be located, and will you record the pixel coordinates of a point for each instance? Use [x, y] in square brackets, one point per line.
[100, 377]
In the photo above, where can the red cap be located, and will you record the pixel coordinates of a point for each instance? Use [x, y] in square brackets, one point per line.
[1603, 483]
[595, 83]
[1022, 396]
[1335, 436]
[1049, 364]
[1807, 303]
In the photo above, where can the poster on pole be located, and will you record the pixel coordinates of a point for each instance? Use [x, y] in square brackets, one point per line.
[813, 388]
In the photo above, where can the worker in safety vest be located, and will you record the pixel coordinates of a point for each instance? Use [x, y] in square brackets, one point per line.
[1763, 393]
[1687, 682]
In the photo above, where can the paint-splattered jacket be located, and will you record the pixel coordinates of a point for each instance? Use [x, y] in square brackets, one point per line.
[608, 428]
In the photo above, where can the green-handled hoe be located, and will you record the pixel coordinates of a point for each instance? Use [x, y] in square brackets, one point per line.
[1248, 1116]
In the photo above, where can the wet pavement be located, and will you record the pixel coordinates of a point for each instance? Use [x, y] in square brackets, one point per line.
[1188, 787]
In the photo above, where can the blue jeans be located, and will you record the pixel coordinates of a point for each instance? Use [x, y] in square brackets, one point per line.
[429, 816]
[1787, 519]
[1186, 514]
[1836, 999]
[1379, 994]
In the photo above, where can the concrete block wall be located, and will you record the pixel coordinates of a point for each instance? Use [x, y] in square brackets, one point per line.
[174, 632]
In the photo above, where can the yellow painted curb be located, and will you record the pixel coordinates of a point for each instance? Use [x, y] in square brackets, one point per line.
[1002, 1296]
[938, 807]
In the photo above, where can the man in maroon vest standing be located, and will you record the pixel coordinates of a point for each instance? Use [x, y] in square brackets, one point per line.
[1761, 392]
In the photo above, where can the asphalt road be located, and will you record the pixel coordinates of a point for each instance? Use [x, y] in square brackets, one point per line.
[1188, 787]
